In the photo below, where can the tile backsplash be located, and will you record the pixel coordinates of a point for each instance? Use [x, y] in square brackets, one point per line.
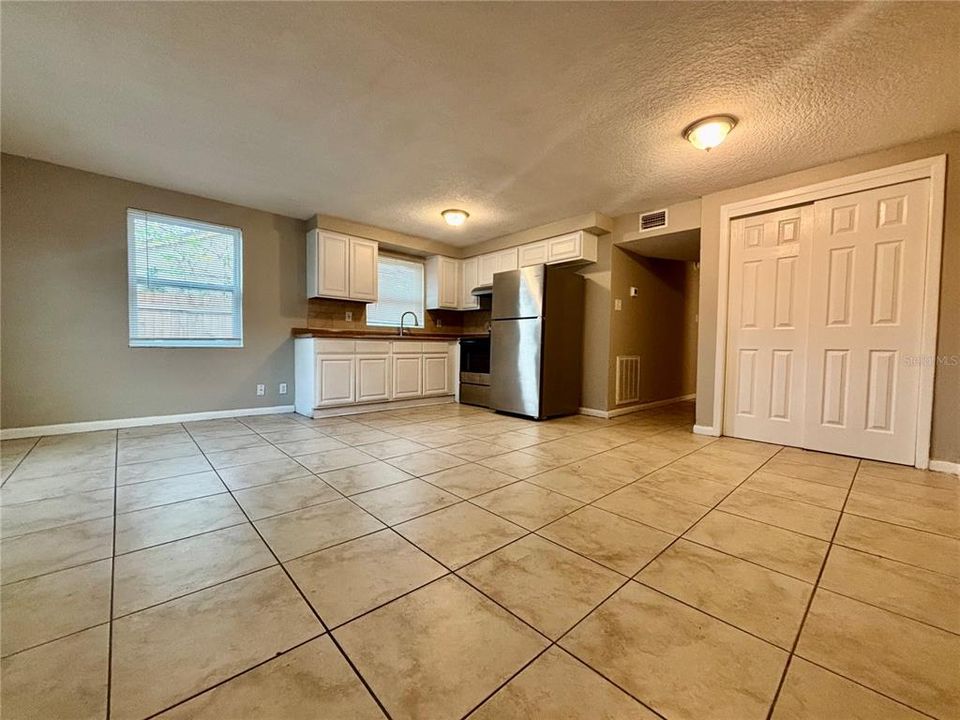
[331, 314]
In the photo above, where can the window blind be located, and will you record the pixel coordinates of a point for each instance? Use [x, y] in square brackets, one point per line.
[185, 282]
[400, 290]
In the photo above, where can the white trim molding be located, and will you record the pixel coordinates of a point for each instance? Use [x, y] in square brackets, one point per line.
[935, 169]
[945, 466]
[91, 425]
[706, 430]
[617, 412]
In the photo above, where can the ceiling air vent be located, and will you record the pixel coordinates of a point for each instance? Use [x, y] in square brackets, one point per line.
[653, 220]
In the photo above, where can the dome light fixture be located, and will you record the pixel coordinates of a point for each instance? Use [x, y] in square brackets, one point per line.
[709, 132]
[455, 217]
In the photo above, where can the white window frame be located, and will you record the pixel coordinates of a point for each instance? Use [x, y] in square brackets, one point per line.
[421, 316]
[236, 287]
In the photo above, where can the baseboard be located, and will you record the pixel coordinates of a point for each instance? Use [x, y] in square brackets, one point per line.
[91, 425]
[617, 412]
[945, 466]
[705, 430]
[379, 406]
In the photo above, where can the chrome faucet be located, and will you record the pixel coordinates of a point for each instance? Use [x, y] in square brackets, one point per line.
[416, 321]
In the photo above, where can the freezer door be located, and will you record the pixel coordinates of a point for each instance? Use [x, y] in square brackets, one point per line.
[515, 366]
[518, 293]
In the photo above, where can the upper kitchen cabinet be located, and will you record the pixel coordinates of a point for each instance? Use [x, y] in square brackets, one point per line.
[340, 266]
[495, 262]
[443, 279]
[469, 279]
[573, 248]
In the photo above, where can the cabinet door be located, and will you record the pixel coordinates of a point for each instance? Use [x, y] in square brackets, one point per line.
[407, 376]
[564, 247]
[470, 277]
[436, 374]
[363, 269]
[327, 264]
[533, 254]
[507, 260]
[449, 283]
[335, 380]
[373, 377]
[488, 266]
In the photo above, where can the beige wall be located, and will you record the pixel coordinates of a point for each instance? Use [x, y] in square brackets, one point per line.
[945, 442]
[596, 327]
[64, 304]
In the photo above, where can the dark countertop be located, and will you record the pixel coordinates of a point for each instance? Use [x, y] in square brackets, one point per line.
[381, 334]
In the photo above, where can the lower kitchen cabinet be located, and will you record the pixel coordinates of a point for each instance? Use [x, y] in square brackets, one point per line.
[335, 380]
[436, 375]
[373, 378]
[407, 376]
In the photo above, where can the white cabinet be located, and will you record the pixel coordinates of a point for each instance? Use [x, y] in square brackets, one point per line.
[373, 377]
[407, 376]
[436, 374]
[340, 266]
[469, 279]
[495, 262]
[580, 246]
[533, 253]
[334, 380]
[443, 283]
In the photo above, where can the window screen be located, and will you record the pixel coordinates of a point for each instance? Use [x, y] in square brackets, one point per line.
[185, 282]
[400, 289]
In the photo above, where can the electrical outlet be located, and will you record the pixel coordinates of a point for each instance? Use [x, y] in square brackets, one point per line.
[348, 315]
[283, 389]
[261, 389]
[618, 304]
[439, 322]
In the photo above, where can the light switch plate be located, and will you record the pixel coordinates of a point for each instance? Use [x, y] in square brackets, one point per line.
[348, 315]
[618, 304]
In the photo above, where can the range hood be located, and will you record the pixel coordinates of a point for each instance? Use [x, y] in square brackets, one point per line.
[481, 290]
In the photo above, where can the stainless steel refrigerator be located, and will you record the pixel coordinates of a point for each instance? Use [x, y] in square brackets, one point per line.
[536, 341]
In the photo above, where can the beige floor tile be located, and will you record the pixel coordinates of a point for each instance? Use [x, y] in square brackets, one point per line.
[762, 602]
[425, 462]
[605, 465]
[318, 443]
[31, 489]
[724, 466]
[395, 447]
[439, 439]
[469, 480]
[460, 533]
[679, 661]
[169, 490]
[940, 497]
[66, 460]
[359, 437]
[520, 464]
[830, 476]
[807, 491]
[66, 678]
[799, 556]
[314, 528]
[57, 549]
[325, 462]
[570, 482]
[169, 652]
[513, 441]
[283, 496]
[439, 651]
[527, 505]
[914, 547]
[244, 456]
[557, 685]
[898, 657]
[613, 541]
[404, 501]
[48, 607]
[560, 452]
[820, 459]
[789, 514]
[643, 504]
[153, 526]
[685, 486]
[160, 573]
[812, 692]
[264, 473]
[920, 594]
[942, 520]
[680, 440]
[55, 512]
[474, 450]
[159, 469]
[350, 579]
[235, 442]
[547, 586]
[291, 434]
[648, 456]
[360, 478]
[150, 453]
[909, 474]
[757, 449]
[310, 682]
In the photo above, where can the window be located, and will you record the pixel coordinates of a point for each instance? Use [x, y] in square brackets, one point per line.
[185, 282]
[400, 289]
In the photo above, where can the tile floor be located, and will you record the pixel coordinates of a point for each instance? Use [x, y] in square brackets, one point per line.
[444, 561]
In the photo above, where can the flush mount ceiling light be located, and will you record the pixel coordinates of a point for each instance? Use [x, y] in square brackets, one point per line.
[455, 217]
[710, 131]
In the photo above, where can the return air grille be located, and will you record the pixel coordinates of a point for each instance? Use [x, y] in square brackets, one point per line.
[628, 379]
[653, 220]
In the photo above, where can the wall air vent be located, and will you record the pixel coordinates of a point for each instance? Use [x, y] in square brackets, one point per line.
[628, 379]
[653, 220]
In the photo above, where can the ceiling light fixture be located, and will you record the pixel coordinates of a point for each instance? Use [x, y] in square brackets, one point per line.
[455, 217]
[710, 131]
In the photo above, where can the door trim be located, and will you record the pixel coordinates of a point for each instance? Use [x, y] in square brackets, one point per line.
[933, 168]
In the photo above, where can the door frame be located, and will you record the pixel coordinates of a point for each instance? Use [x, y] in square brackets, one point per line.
[933, 168]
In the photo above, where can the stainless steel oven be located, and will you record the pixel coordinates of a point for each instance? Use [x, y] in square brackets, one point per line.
[475, 371]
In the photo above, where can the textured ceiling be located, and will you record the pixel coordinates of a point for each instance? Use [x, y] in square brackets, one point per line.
[521, 113]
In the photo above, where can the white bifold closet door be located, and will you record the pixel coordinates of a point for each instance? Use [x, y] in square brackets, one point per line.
[830, 363]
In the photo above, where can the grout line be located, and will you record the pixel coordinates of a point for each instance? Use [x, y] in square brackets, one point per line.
[20, 461]
[113, 577]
